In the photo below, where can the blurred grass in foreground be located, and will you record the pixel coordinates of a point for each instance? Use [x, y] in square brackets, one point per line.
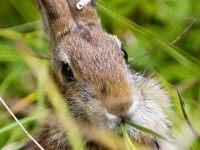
[164, 39]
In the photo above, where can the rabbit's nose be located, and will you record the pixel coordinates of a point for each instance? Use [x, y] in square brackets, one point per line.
[119, 108]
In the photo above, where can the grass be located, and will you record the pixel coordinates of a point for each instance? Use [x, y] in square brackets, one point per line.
[160, 36]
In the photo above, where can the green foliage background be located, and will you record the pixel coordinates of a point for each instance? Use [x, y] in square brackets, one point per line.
[163, 37]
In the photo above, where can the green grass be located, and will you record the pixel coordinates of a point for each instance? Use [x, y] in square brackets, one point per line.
[148, 30]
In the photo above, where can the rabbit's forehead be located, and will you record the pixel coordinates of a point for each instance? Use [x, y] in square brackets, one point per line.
[89, 46]
[100, 52]
[95, 54]
[104, 63]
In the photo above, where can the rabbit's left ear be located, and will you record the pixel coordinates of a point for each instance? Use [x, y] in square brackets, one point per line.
[84, 12]
[57, 17]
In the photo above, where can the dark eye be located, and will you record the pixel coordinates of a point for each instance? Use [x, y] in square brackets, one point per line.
[67, 72]
[124, 54]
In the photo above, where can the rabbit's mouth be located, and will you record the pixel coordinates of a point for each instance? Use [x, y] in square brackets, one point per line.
[113, 121]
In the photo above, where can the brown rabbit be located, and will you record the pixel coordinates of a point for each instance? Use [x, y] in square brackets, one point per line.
[98, 85]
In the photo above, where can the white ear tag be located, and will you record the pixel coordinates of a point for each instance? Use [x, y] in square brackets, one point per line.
[82, 3]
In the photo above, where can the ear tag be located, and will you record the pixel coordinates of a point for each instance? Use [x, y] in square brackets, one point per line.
[82, 3]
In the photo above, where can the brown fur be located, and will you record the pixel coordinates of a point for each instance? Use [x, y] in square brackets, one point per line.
[105, 89]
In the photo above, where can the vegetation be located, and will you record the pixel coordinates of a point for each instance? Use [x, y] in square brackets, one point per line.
[160, 36]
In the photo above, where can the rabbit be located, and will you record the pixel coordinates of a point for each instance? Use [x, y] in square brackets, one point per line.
[90, 67]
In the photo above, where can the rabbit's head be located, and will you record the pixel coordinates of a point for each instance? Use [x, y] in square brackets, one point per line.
[89, 64]
[90, 67]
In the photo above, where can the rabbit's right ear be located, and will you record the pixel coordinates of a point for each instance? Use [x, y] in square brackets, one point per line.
[57, 18]
[86, 15]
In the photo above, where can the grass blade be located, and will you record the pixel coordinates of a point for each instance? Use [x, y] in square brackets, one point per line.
[15, 124]
[145, 130]
[9, 79]
[129, 143]
[19, 123]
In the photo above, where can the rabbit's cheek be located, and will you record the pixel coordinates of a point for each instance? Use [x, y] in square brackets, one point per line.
[95, 112]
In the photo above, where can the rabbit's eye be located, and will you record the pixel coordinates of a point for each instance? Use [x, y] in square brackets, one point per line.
[67, 72]
[124, 54]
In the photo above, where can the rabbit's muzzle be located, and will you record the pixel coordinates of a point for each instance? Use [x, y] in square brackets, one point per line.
[117, 98]
[119, 108]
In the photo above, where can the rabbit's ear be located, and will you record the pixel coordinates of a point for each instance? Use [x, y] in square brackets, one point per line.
[56, 17]
[86, 15]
